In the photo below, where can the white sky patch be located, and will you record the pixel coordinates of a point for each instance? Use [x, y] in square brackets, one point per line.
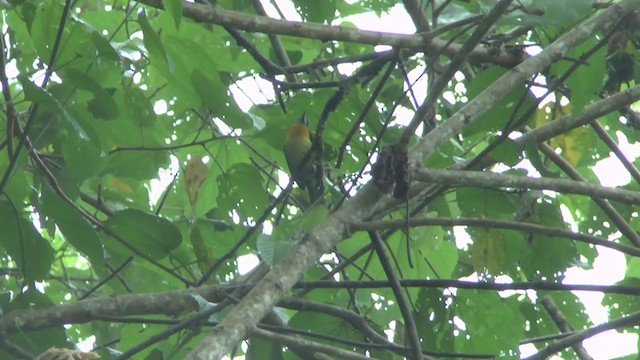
[397, 21]
[165, 176]
[246, 263]
[252, 90]
[610, 170]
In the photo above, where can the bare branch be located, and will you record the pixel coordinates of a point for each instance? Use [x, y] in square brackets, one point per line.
[498, 224]
[253, 23]
[493, 180]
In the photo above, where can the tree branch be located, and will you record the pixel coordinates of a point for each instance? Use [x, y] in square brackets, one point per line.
[631, 320]
[624, 227]
[290, 340]
[563, 325]
[261, 24]
[493, 180]
[567, 123]
[498, 224]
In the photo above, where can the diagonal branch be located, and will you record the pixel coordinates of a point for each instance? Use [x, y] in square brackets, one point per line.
[569, 122]
[564, 326]
[627, 321]
[622, 224]
[615, 149]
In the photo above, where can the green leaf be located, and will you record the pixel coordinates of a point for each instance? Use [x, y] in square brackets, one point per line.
[211, 91]
[313, 217]
[201, 251]
[489, 251]
[508, 153]
[174, 8]
[257, 349]
[586, 82]
[139, 109]
[102, 105]
[137, 164]
[241, 189]
[506, 111]
[75, 41]
[207, 195]
[533, 154]
[444, 259]
[258, 122]
[31, 252]
[486, 316]
[619, 304]
[549, 256]
[154, 45]
[272, 251]
[37, 341]
[18, 186]
[74, 227]
[47, 101]
[563, 13]
[317, 11]
[152, 235]
[435, 327]
[83, 158]
[105, 50]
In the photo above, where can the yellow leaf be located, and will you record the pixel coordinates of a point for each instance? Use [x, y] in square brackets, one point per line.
[488, 252]
[195, 174]
[200, 249]
[543, 115]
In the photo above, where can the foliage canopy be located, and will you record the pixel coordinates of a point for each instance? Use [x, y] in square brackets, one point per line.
[141, 167]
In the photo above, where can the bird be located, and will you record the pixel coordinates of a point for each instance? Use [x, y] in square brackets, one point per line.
[297, 145]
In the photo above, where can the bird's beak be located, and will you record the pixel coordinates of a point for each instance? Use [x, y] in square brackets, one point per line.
[303, 120]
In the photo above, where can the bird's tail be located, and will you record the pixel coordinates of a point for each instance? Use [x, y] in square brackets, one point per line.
[315, 187]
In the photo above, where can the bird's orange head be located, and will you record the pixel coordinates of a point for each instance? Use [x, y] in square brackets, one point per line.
[300, 129]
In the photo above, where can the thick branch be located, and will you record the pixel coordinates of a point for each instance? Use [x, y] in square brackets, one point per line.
[262, 24]
[171, 303]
